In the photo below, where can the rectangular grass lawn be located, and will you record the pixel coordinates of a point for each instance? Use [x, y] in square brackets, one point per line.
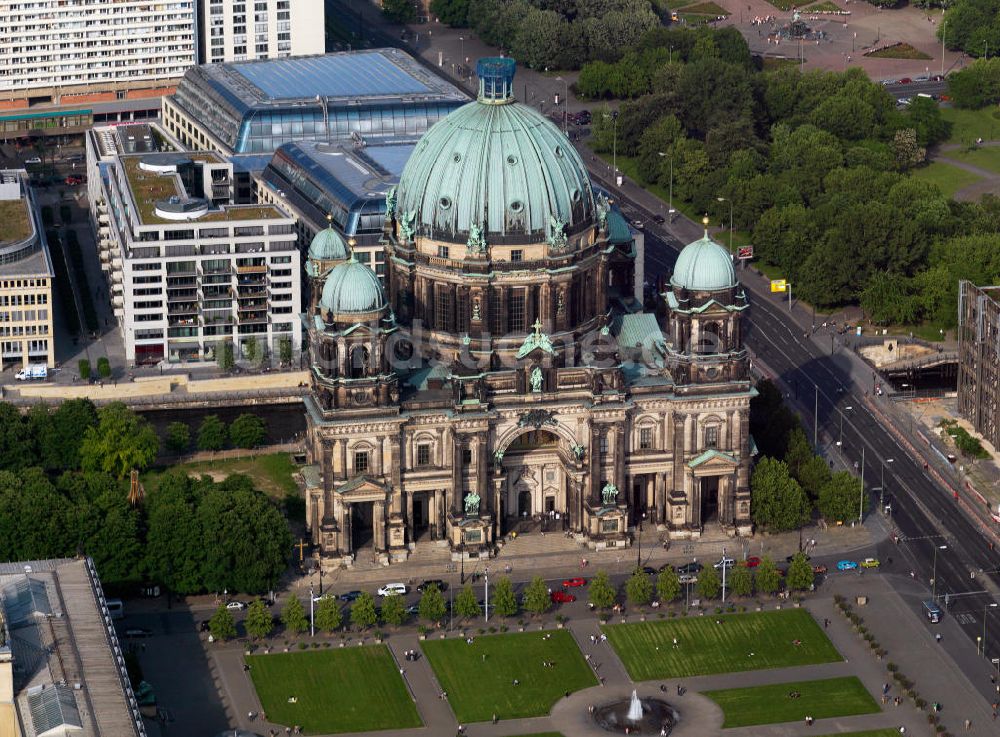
[479, 686]
[354, 689]
[887, 732]
[830, 697]
[751, 641]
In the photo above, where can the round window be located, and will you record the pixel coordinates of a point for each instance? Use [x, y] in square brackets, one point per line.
[575, 195]
[511, 159]
[457, 157]
[712, 372]
[444, 203]
[516, 206]
[559, 151]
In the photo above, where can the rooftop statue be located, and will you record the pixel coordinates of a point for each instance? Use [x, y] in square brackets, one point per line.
[390, 202]
[557, 234]
[477, 240]
[472, 504]
[608, 494]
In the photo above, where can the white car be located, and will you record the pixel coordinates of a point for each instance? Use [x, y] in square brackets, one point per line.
[236, 605]
[725, 563]
[33, 160]
[393, 589]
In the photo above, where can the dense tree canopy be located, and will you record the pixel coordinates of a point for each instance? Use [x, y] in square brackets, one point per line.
[121, 441]
[972, 26]
[778, 502]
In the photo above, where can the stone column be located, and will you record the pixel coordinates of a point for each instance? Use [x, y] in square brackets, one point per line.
[457, 484]
[409, 516]
[594, 461]
[619, 451]
[346, 536]
[346, 470]
[483, 474]
[378, 525]
[660, 495]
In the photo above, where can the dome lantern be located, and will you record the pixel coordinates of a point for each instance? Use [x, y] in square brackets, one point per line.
[496, 80]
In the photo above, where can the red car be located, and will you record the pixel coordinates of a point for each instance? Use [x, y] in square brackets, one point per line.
[571, 583]
[562, 597]
[753, 561]
[904, 80]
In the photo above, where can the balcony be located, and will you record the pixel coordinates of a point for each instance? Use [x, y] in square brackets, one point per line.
[182, 295]
[262, 269]
[182, 308]
[251, 318]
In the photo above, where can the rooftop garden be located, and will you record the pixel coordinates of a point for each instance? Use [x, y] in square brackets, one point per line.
[15, 225]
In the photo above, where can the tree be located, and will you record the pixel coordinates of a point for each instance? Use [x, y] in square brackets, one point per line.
[432, 606]
[174, 546]
[536, 596]
[363, 614]
[35, 519]
[602, 594]
[122, 441]
[709, 585]
[293, 616]
[740, 580]
[766, 577]
[454, 13]
[178, 437]
[16, 443]
[399, 11]
[221, 625]
[800, 573]
[285, 350]
[83, 366]
[779, 504]
[251, 350]
[668, 586]
[60, 436]
[224, 355]
[258, 622]
[327, 615]
[104, 367]
[799, 451]
[504, 599]
[466, 605]
[212, 433]
[906, 150]
[393, 610]
[841, 498]
[638, 588]
[247, 431]
[813, 474]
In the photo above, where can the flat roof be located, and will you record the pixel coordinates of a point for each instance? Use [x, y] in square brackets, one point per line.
[367, 171]
[15, 221]
[343, 78]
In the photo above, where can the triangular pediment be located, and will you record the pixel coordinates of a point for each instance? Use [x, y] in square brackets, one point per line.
[713, 461]
[362, 489]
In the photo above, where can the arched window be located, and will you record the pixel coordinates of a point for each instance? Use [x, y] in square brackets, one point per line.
[710, 338]
[359, 362]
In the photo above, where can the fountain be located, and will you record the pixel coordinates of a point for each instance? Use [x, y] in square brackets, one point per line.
[636, 716]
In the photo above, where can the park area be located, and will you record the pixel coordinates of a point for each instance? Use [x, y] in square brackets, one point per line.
[345, 690]
[725, 643]
[793, 702]
[479, 677]
[949, 179]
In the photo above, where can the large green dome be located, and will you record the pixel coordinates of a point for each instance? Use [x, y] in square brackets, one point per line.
[496, 164]
[352, 290]
[328, 245]
[704, 266]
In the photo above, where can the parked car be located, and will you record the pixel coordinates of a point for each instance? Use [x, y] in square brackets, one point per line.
[574, 582]
[753, 561]
[318, 599]
[692, 568]
[424, 585]
[649, 570]
[138, 632]
[562, 597]
[237, 605]
[664, 567]
[33, 160]
[204, 626]
[724, 563]
[846, 565]
[658, 219]
[904, 80]
[393, 589]
[686, 578]
[870, 563]
[350, 595]
[819, 570]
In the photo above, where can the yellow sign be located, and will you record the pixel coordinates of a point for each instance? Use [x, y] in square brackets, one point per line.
[779, 285]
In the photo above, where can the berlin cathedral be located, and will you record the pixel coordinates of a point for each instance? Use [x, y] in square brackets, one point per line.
[507, 371]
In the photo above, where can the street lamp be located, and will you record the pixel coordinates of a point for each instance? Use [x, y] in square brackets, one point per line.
[462, 39]
[934, 572]
[944, 29]
[565, 105]
[486, 601]
[723, 199]
[614, 146]
[840, 443]
[670, 201]
[312, 612]
[986, 609]
[881, 494]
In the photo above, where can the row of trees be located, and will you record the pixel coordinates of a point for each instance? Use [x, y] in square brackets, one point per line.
[553, 34]
[816, 165]
[976, 86]
[246, 431]
[64, 487]
[972, 26]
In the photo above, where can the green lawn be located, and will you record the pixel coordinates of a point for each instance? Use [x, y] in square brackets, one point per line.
[898, 51]
[741, 642]
[950, 179]
[890, 732]
[830, 697]
[354, 689]
[272, 473]
[706, 8]
[968, 125]
[987, 157]
[825, 6]
[479, 677]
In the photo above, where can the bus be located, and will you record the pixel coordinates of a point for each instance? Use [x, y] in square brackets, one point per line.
[116, 609]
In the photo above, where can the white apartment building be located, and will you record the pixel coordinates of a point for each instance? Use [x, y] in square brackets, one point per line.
[77, 52]
[26, 333]
[189, 270]
[242, 30]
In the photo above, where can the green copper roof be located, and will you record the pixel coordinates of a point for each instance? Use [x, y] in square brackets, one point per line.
[352, 288]
[704, 266]
[328, 245]
[618, 230]
[497, 164]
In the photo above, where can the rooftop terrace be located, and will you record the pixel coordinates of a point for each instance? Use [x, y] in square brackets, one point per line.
[15, 221]
[148, 188]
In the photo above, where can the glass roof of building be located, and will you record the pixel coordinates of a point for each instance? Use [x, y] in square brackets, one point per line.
[366, 74]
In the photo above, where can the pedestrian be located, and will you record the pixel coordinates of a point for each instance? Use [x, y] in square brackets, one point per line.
[494, 717]
[968, 724]
[826, 623]
[937, 636]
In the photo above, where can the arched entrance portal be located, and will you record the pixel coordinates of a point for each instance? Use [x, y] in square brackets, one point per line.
[535, 494]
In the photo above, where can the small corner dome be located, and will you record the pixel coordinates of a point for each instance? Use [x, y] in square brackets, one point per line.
[704, 266]
[328, 245]
[352, 289]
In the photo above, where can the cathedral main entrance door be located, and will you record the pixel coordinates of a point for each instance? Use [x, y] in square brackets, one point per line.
[709, 499]
[362, 536]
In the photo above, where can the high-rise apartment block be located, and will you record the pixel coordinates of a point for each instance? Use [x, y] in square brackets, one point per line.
[84, 59]
[190, 270]
[240, 30]
[26, 334]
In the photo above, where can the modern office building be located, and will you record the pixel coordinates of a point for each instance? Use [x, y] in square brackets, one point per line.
[506, 373]
[62, 670]
[65, 62]
[189, 269]
[242, 30]
[26, 332]
[979, 358]
[342, 185]
[256, 106]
